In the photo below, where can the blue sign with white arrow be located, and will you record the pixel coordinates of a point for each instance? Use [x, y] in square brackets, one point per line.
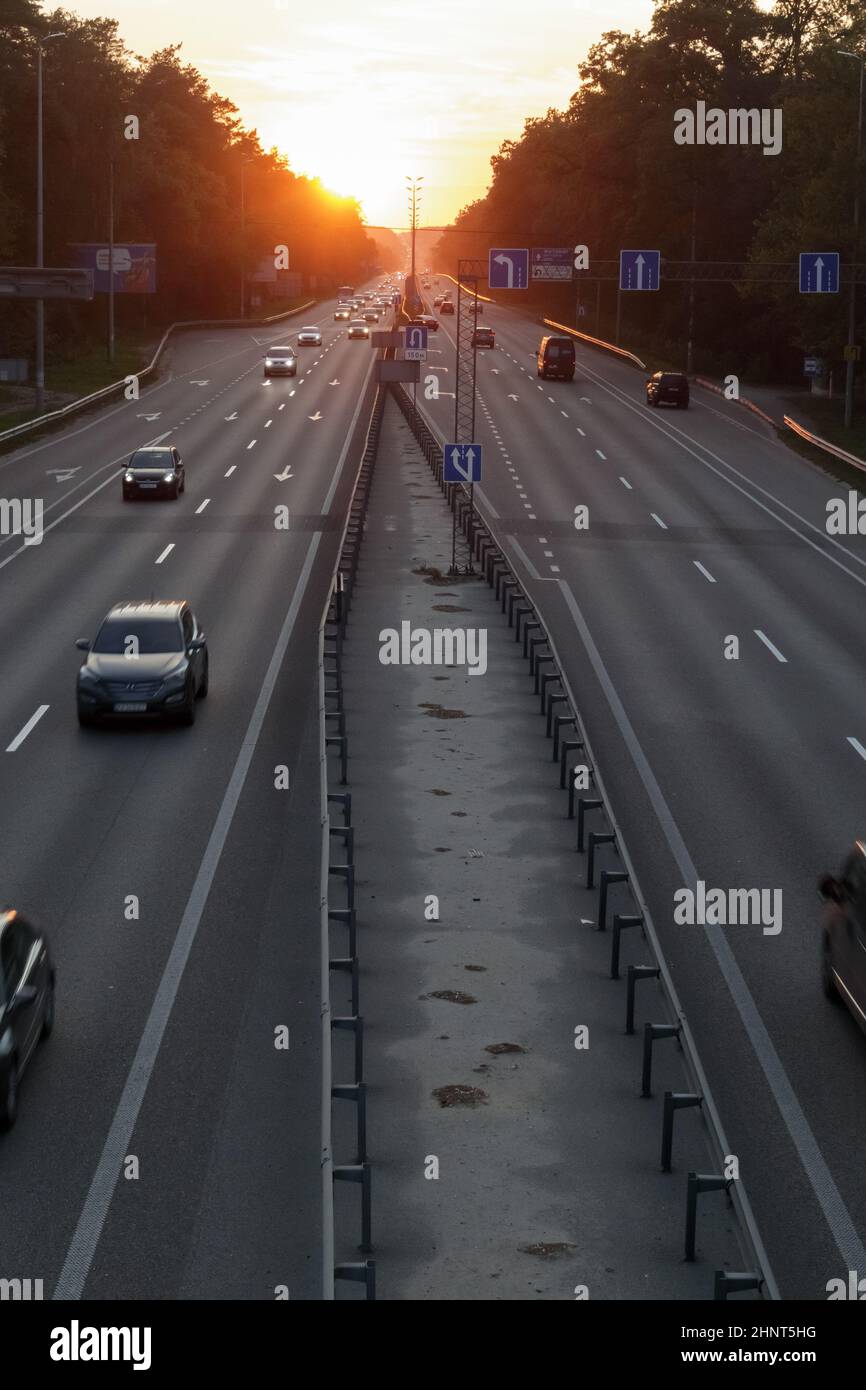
[819, 272]
[462, 463]
[508, 267]
[415, 337]
[639, 270]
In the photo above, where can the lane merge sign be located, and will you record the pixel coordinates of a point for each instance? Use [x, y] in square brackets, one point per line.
[639, 270]
[508, 267]
[462, 463]
[819, 272]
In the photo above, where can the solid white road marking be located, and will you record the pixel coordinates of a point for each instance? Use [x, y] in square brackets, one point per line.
[31, 724]
[767, 643]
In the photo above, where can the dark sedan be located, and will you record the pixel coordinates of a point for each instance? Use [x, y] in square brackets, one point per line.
[670, 387]
[26, 1003]
[148, 658]
[843, 934]
[484, 337]
[154, 472]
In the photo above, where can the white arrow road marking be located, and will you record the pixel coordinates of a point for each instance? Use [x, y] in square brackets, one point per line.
[166, 552]
[153, 416]
[285, 475]
[317, 416]
[495, 371]
[202, 507]
[767, 643]
[586, 398]
[31, 724]
[234, 416]
[206, 382]
[63, 474]
[513, 398]
[335, 382]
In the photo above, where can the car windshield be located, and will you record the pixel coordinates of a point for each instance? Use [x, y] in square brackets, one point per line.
[280, 352]
[152, 458]
[153, 636]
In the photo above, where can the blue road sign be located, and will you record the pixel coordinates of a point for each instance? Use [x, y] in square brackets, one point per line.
[508, 267]
[462, 463]
[415, 337]
[552, 262]
[639, 270]
[819, 272]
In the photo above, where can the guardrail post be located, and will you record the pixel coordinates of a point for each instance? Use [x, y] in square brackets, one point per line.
[349, 965]
[355, 1024]
[635, 973]
[595, 839]
[728, 1282]
[585, 803]
[360, 1173]
[364, 1273]
[555, 722]
[674, 1100]
[620, 922]
[358, 1094]
[697, 1183]
[651, 1031]
[606, 877]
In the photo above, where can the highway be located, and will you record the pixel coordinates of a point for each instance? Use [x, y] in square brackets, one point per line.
[744, 773]
[165, 1148]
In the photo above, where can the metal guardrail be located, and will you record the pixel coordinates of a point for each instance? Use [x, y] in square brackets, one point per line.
[740, 400]
[330, 646]
[106, 391]
[538, 646]
[824, 444]
[596, 342]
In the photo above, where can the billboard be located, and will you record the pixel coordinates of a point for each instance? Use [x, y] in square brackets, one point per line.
[134, 265]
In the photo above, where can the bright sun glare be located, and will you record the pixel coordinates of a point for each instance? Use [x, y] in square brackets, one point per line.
[365, 165]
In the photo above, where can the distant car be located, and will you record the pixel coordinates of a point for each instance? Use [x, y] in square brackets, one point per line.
[26, 1003]
[429, 322]
[446, 307]
[437, 301]
[341, 313]
[310, 337]
[843, 934]
[555, 358]
[426, 285]
[149, 657]
[281, 361]
[154, 472]
[671, 387]
[484, 337]
[371, 315]
[359, 329]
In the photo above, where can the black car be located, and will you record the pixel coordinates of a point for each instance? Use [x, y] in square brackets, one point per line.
[672, 387]
[484, 337]
[446, 307]
[555, 357]
[148, 658]
[26, 1003]
[154, 472]
[843, 934]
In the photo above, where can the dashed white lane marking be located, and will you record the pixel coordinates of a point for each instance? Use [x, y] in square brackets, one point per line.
[251, 443]
[281, 407]
[854, 742]
[542, 540]
[268, 424]
[705, 572]
[548, 554]
[554, 569]
[580, 431]
[203, 505]
[31, 724]
[625, 482]
[562, 412]
[231, 471]
[600, 454]
[168, 549]
[767, 643]
[658, 521]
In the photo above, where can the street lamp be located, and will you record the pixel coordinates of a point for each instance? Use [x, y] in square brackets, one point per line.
[244, 163]
[40, 223]
[852, 299]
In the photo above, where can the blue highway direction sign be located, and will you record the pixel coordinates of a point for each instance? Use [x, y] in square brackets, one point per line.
[415, 337]
[462, 463]
[508, 267]
[819, 272]
[639, 270]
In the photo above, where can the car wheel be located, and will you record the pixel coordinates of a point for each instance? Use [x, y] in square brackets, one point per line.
[187, 712]
[205, 680]
[48, 1013]
[828, 984]
[9, 1097]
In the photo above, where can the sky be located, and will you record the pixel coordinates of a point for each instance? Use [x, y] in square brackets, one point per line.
[364, 93]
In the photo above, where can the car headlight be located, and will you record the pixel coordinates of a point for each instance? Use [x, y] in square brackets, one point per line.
[129, 477]
[168, 477]
[268, 362]
[86, 673]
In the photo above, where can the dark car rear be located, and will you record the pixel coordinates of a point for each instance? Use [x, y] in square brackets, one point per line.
[484, 337]
[668, 388]
[26, 1003]
[556, 358]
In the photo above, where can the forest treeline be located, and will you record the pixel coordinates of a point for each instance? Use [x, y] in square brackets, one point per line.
[607, 172]
[178, 184]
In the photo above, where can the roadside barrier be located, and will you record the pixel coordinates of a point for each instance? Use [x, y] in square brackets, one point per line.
[596, 342]
[333, 739]
[824, 444]
[575, 755]
[106, 391]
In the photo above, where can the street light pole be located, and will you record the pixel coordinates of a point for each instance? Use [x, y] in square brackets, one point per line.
[40, 226]
[852, 297]
[414, 194]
